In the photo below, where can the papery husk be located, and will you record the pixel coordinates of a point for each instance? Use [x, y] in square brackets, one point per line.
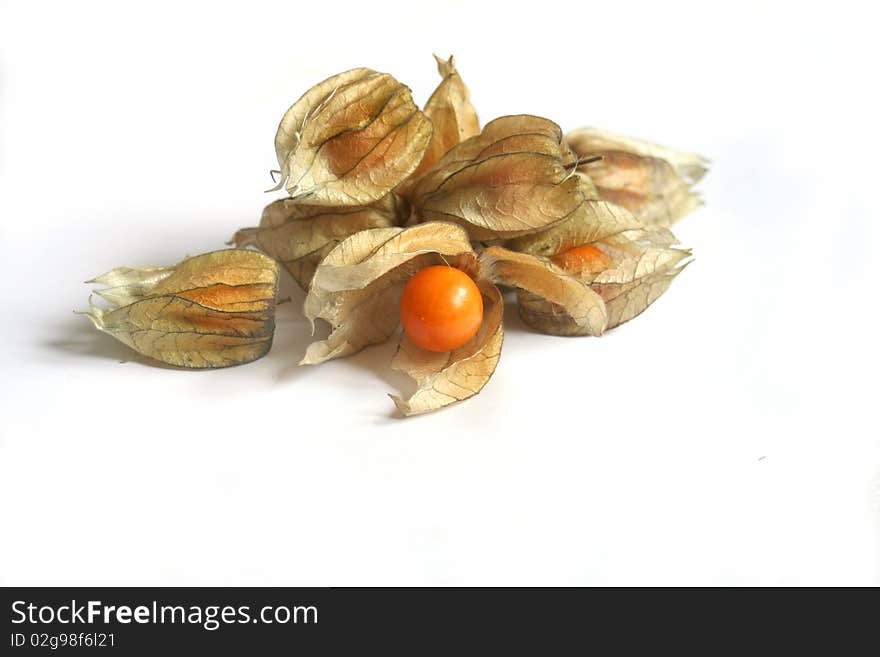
[299, 236]
[651, 181]
[357, 287]
[444, 378]
[351, 139]
[542, 278]
[595, 220]
[516, 177]
[644, 265]
[452, 114]
[209, 311]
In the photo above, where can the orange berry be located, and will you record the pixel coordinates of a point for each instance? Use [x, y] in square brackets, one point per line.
[441, 308]
[582, 259]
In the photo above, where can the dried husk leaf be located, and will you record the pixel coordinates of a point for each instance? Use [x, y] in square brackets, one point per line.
[651, 181]
[299, 236]
[351, 139]
[357, 287]
[516, 177]
[452, 114]
[543, 279]
[504, 134]
[448, 377]
[644, 264]
[595, 220]
[208, 311]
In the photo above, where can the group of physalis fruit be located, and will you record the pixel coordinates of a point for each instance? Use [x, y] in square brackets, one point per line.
[397, 215]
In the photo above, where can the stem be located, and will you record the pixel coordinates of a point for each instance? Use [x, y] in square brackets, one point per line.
[586, 160]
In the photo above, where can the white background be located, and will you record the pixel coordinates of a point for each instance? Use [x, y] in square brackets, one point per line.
[727, 436]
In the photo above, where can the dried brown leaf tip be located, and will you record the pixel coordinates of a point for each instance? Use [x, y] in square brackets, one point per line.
[351, 139]
[208, 311]
[651, 181]
[452, 114]
[516, 177]
[299, 236]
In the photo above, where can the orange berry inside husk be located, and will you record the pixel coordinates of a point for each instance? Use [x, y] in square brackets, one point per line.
[582, 259]
[441, 308]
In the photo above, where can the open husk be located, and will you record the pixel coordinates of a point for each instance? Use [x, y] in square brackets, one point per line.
[636, 268]
[351, 139]
[356, 288]
[651, 181]
[444, 378]
[541, 278]
[208, 311]
[299, 236]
